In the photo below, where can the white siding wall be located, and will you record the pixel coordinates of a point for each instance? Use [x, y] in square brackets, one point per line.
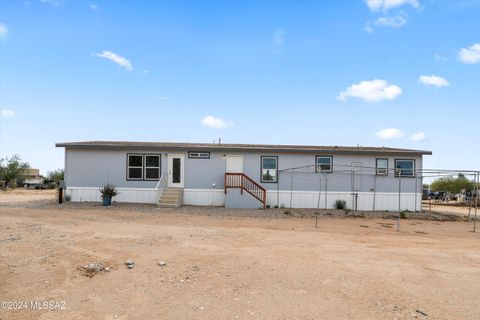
[140, 195]
[307, 199]
[299, 199]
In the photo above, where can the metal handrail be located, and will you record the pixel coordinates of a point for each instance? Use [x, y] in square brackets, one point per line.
[160, 181]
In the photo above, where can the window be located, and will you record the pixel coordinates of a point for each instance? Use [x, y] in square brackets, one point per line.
[382, 167]
[404, 168]
[269, 169]
[199, 155]
[143, 166]
[324, 164]
[135, 167]
[152, 167]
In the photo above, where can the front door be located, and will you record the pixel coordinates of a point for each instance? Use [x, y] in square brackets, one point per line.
[235, 164]
[176, 165]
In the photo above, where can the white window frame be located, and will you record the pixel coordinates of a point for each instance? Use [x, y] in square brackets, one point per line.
[158, 168]
[134, 167]
[399, 174]
[276, 169]
[199, 154]
[318, 166]
[381, 171]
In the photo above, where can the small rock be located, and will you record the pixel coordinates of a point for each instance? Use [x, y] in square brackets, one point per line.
[94, 267]
[162, 263]
[107, 269]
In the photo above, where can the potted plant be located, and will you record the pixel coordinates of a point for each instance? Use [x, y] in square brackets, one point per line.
[107, 193]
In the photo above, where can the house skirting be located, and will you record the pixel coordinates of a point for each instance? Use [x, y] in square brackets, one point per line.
[380, 201]
[133, 195]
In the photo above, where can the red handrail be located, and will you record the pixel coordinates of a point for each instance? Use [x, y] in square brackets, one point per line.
[243, 182]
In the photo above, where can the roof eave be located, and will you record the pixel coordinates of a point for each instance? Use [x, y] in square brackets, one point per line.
[253, 148]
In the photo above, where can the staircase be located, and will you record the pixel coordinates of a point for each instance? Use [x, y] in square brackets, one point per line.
[245, 183]
[171, 198]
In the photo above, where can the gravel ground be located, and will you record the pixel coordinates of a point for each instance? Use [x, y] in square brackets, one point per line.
[271, 213]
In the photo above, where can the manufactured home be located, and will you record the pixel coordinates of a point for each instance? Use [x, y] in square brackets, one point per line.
[246, 175]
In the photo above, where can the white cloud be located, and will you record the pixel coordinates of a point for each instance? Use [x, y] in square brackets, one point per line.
[433, 81]
[390, 133]
[3, 31]
[278, 40]
[214, 122]
[162, 98]
[385, 5]
[278, 37]
[93, 7]
[392, 22]
[440, 58]
[52, 2]
[470, 55]
[419, 136]
[7, 113]
[121, 61]
[371, 91]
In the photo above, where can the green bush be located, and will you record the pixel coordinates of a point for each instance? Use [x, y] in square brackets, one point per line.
[340, 204]
[51, 185]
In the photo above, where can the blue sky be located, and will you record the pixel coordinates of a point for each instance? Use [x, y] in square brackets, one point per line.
[397, 73]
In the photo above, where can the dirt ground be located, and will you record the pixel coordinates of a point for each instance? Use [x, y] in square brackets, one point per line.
[231, 267]
[457, 210]
[24, 195]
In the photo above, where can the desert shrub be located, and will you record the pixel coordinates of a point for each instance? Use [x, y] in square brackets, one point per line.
[56, 176]
[340, 204]
[51, 185]
[109, 191]
[68, 198]
[403, 215]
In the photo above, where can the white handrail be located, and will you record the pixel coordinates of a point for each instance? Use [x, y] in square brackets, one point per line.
[157, 188]
[159, 182]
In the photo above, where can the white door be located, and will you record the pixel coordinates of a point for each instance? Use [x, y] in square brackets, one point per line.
[176, 166]
[235, 164]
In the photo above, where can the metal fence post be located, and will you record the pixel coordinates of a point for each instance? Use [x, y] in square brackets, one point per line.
[399, 199]
[291, 189]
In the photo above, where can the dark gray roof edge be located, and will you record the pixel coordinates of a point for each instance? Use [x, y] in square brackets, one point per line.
[215, 146]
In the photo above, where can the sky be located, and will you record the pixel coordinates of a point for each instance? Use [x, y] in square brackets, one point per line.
[395, 73]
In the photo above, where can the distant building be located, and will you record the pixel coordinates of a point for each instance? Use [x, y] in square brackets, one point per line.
[30, 177]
